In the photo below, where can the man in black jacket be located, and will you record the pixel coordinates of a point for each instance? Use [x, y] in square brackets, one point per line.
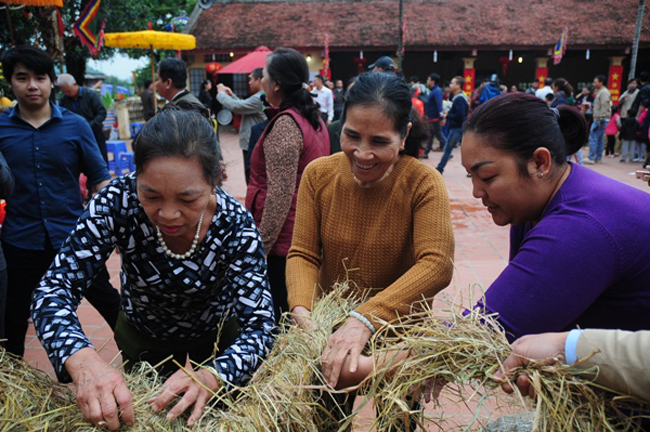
[644, 93]
[87, 104]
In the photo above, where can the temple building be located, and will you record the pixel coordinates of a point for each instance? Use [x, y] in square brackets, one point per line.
[511, 38]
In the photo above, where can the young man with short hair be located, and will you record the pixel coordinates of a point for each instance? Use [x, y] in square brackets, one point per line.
[455, 118]
[46, 148]
[324, 98]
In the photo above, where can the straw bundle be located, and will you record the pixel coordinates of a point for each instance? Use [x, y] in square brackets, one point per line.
[467, 351]
[280, 396]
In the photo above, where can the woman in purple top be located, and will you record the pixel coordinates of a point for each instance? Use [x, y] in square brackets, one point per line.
[579, 241]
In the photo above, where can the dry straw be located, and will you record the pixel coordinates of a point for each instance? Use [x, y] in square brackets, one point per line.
[466, 350]
[287, 392]
[281, 396]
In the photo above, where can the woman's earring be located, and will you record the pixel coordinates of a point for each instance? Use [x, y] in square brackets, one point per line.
[541, 175]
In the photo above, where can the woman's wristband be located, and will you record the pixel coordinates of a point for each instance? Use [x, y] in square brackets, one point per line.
[364, 320]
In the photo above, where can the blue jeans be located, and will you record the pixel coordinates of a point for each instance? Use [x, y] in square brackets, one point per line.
[454, 138]
[597, 139]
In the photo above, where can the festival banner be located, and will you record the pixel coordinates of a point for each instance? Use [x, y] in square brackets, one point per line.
[88, 30]
[326, 72]
[560, 47]
[541, 74]
[469, 75]
[614, 82]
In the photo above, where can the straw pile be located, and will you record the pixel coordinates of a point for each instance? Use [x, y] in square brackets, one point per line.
[31, 401]
[280, 396]
[466, 351]
[286, 393]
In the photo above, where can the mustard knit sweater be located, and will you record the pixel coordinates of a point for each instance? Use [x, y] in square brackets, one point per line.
[394, 239]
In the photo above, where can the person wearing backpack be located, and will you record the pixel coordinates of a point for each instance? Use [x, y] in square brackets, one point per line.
[490, 90]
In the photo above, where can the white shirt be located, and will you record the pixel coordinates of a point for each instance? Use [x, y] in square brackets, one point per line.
[541, 93]
[325, 99]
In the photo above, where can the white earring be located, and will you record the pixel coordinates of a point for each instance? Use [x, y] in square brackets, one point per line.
[541, 175]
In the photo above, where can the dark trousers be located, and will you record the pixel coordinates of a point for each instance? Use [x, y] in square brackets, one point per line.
[436, 132]
[611, 143]
[454, 138]
[25, 268]
[137, 347]
[277, 273]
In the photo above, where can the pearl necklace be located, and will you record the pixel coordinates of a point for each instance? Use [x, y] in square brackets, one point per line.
[187, 254]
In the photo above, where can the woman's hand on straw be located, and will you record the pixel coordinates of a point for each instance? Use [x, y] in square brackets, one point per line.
[301, 316]
[196, 387]
[545, 348]
[349, 340]
[100, 389]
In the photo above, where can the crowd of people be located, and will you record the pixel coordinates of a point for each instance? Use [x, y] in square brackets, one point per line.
[335, 192]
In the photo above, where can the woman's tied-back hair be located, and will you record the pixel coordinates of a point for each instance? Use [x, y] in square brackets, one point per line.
[181, 129]
[288, 68]
[520, 123]
[393, 96]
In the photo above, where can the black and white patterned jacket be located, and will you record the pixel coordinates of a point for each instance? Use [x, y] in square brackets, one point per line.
[163, 297]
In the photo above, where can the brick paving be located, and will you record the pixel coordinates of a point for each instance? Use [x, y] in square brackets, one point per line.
[481, 254]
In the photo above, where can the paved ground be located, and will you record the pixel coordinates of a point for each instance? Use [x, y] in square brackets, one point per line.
[481, 254]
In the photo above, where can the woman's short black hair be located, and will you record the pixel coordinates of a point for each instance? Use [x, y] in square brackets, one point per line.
[393, 96]
[520, 123]
[175, 70]
[34, 59]
[181, 129]
[288, 68]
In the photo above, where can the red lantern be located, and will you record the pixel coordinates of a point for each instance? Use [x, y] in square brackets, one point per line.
[212, 68]
[360, 63]
[505, 61]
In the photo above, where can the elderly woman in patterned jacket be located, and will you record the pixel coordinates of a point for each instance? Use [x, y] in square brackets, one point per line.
[192, 259]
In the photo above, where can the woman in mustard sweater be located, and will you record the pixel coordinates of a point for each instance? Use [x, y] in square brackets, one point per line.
[371, 214]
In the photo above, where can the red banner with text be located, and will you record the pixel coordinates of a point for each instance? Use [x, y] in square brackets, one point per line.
[469, 75]
[541, 74]
[614, 82]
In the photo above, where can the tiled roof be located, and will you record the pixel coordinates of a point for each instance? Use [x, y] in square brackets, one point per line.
[454, 24]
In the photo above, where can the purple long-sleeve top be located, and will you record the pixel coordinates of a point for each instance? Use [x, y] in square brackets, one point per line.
[585, 264]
